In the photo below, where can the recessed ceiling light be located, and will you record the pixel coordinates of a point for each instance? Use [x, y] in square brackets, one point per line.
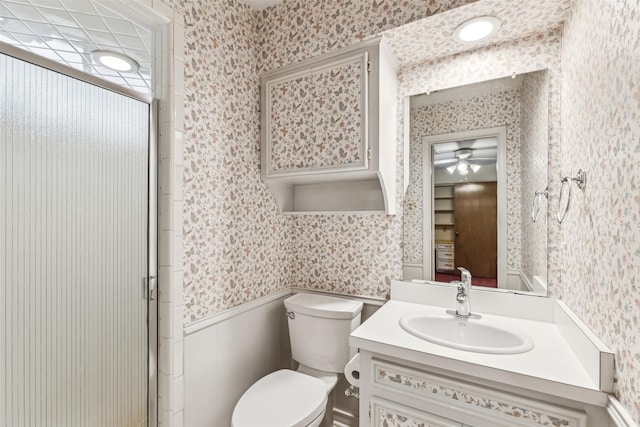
[477, 29]
[115, 61]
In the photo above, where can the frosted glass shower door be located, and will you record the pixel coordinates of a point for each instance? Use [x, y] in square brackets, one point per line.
[73, 252]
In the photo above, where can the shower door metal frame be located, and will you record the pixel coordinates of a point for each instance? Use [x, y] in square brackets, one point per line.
[152, 208]
[152, 268]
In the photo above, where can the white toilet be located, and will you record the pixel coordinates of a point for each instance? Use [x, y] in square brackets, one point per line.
[319, 328]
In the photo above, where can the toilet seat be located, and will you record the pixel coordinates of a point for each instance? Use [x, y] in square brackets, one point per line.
[283, 398]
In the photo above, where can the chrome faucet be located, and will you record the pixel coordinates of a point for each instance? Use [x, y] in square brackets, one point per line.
[463, 305]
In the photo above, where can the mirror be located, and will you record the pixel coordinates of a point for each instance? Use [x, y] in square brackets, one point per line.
[478, 162]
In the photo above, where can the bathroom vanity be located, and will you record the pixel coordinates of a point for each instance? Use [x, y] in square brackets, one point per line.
[408, 380]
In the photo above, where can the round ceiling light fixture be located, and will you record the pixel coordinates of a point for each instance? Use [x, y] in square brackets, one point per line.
[115, 61]
[477, 29]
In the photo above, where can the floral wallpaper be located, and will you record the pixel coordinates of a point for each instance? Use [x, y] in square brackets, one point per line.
[347, 254]
[600, 235]
[236, 246]
[534, 134]
[334, 136]
[350, 254]
[478, 112]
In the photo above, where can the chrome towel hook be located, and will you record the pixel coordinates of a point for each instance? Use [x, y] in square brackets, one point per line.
[565, 196]
[537, 197]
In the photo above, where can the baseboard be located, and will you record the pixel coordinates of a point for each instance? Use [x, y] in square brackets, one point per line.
[516, 280]
[539, 285]
[526, 283]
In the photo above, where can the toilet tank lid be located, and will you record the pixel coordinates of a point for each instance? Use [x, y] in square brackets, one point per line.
[323, 306]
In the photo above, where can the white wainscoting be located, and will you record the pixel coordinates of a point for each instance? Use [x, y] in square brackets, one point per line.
[227, 353]
[516, 281]
[411, 271]
[619, 415]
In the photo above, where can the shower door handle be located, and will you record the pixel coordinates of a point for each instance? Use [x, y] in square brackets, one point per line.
[149, 288]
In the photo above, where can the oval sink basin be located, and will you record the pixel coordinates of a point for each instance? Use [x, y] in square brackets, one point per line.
[468, 334]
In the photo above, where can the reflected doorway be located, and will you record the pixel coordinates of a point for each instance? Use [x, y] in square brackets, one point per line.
[464, 202]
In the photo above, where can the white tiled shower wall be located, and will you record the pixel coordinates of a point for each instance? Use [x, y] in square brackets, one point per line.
[169, 89]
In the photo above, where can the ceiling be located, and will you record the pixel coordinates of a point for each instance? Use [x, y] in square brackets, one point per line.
[483, 151]
[67, 31]
[430, 38]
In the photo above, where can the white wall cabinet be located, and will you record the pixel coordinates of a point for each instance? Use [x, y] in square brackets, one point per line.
[328, 132]
[395, 394]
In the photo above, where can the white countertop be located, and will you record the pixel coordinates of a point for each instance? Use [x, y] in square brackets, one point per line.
[552, 367]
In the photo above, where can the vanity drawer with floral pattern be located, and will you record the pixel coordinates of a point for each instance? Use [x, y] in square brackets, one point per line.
[506, 409]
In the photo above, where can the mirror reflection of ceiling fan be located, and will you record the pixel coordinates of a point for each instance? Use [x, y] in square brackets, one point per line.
[463, 160]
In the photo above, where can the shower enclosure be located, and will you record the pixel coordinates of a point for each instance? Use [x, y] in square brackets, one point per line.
[77, 250]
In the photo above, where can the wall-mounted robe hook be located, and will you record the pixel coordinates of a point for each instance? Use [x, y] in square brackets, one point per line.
[565, 196]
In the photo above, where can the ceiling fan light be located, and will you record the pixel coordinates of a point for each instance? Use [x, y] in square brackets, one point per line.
[452, 169]
[463, 167]
[464, 154]
[475, 168]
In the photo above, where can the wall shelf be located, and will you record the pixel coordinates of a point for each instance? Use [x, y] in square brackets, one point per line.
[444, 227]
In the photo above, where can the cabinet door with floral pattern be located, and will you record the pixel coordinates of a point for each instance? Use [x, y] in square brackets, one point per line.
[390, 414]
[316, 119]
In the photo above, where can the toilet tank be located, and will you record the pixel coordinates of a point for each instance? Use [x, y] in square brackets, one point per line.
[319, 328]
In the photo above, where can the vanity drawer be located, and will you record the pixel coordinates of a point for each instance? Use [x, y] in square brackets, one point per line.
[442, 254]
[390, 414]
[502, 409]
[444, 246]
[444, 264]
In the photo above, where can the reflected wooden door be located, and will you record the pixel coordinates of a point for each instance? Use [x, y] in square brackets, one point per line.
[476, 222]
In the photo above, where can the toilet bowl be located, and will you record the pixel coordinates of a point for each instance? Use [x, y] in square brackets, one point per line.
[319, 328]
[286, 398]
[283, 398]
